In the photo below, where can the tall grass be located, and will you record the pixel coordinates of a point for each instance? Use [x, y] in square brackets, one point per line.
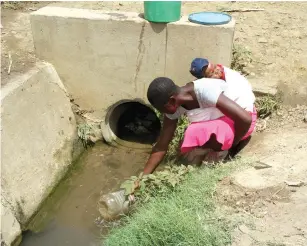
[184, 216]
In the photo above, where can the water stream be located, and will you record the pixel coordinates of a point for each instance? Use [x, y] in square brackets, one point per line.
[70, 215]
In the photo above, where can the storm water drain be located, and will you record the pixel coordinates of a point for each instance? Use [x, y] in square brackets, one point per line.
[131, 123]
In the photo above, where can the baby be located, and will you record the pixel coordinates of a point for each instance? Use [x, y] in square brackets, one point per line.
[239, 89]
[202, 68]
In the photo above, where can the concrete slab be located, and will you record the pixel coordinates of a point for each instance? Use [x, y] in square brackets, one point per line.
[10, 227]
[263, 87]
[105, 57]
[38, 132]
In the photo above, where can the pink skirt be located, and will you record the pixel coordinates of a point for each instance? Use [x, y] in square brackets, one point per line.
[198, 133]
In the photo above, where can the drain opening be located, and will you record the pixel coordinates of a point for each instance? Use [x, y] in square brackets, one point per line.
[135, 122]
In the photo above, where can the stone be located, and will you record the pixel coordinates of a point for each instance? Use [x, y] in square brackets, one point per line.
[243, 228]
[262, 40]
[294, 183]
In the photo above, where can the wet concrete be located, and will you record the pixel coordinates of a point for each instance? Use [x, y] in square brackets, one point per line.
[70, 215]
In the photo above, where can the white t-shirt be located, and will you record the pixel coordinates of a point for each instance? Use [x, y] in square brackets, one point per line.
[208, 90]
[242, 90]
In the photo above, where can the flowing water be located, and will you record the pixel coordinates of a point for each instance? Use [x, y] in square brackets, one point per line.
[70, 215]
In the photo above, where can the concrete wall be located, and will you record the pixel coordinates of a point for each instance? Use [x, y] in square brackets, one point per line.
[10, 227]
[38, 131]
[105, 57]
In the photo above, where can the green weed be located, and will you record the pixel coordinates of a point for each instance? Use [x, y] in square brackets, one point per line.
[18, 5]
[85, 133]
[173, 147]
[184, 215]
[160, 182]
[240, 58]
[266, 105]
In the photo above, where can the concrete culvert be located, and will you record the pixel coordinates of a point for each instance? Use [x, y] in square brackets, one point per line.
[132, 124]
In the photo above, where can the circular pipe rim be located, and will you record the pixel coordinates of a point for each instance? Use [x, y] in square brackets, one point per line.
[111, 138]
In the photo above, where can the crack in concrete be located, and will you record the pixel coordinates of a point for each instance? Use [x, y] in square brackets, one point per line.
[165, 53]
[139, 59]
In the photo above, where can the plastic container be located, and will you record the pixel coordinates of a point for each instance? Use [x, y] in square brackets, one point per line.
[210, 18]
[111, 206]
[162, 11]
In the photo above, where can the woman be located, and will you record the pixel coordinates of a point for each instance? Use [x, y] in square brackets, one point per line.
[218, 122]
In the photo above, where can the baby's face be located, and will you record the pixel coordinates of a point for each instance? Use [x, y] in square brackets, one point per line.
[213, 71]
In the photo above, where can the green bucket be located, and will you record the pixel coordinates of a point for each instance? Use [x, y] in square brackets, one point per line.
[162, 11]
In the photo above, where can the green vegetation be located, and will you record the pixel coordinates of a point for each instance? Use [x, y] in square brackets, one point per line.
[180, 215]
[172, 153]
[240, 58]
[159, 182]
[18, 5]
[84, 133]
[266, 105]
[173, 148]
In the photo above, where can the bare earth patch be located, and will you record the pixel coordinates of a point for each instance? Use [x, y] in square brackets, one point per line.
[271, 196]
[16, 39]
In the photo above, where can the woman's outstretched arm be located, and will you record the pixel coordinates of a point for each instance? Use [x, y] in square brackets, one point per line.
[160, 148]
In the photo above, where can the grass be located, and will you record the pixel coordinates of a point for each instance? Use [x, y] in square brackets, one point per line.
[266, 105]
[18, 5]
[185, 215]
[240, 58]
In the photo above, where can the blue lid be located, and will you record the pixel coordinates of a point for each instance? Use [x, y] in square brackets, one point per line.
[210, 18]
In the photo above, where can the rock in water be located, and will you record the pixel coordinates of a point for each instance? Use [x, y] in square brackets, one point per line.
[113, 205]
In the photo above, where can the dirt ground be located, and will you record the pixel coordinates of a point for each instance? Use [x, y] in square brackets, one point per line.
[273, 212]
[269, 198]
[16, 39]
